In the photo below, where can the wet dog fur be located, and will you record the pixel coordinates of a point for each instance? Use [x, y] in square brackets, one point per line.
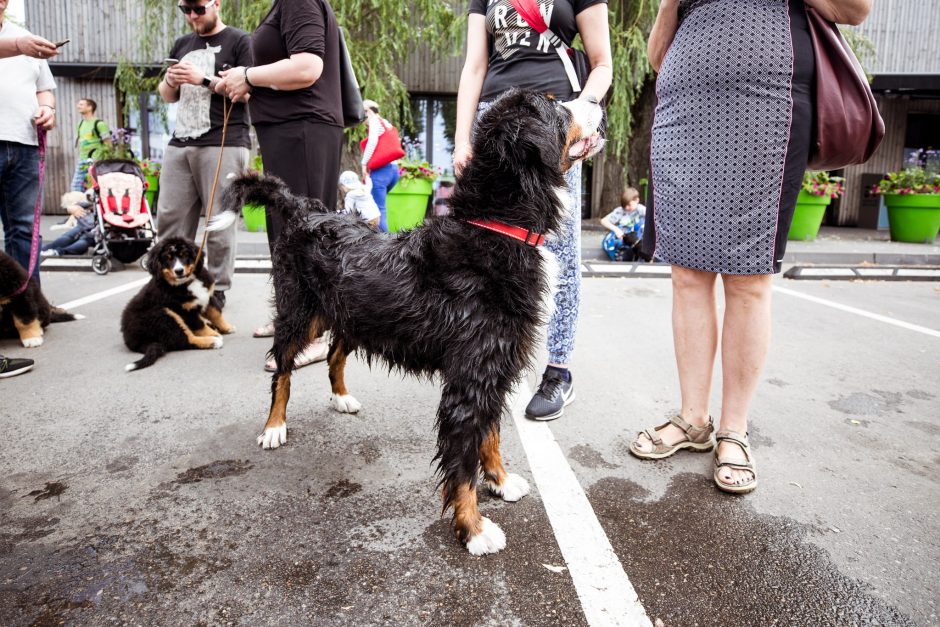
[176, 309]
[447, 298]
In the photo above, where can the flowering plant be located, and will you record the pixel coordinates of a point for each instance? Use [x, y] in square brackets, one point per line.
[151, 167]
[410, 169]
[914, 180]
[819, 183]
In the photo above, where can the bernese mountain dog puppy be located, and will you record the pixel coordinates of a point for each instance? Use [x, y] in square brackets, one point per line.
[176, 309]
[463, 297]
[26, 314]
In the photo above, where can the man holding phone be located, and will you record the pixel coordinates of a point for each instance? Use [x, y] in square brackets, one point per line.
[190, 160]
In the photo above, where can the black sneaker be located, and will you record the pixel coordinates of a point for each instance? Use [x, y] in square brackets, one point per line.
[550, 399]
[10, 367]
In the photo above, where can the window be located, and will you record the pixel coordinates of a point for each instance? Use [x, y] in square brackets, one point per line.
[151, 131]
[439, 114]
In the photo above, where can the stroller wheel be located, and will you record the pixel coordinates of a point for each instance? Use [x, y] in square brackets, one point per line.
[143, 261]
[100, 264]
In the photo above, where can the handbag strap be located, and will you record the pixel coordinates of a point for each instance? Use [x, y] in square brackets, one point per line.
[528, 10]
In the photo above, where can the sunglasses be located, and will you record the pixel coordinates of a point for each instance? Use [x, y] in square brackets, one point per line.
[198, 10]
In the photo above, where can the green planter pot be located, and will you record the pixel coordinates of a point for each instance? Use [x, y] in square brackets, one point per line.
[153, 184]
[407, 203]
[913, 217]
[254, 217]
[808, 216]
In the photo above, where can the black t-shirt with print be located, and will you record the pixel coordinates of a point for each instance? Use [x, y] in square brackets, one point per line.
[518, 55]
[294, 26]
[200, 112]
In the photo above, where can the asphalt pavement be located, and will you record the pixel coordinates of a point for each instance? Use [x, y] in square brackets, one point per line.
[143, 498]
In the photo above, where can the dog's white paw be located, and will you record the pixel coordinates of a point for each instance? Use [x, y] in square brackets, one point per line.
[33, 342]
[490, 540]
[273, 437]
[217, 341]
[345, 403]
[79, 316]
[513, 488]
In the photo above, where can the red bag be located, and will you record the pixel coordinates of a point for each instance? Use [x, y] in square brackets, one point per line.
[387, 148]
[848, 125]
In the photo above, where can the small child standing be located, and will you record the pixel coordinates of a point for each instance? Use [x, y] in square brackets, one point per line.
[358, 199]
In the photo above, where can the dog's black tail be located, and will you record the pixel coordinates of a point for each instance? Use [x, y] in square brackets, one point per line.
[152, 352]
[57, 314]
[266, 191]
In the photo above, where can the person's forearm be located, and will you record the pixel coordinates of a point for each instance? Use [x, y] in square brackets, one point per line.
[598, 82]
[468, 99]
[851, 12]
[46, 98]
[298, 72]
[168, 92]
[664, 30]
[8, 48]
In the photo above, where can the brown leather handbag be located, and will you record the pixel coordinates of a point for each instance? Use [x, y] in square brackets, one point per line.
[848, 126]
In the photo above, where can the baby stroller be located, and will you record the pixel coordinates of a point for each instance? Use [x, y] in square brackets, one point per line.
[626, 248]
[125, 228]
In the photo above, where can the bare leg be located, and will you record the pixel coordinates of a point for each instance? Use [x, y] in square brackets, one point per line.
[695, 334]
[745, 340]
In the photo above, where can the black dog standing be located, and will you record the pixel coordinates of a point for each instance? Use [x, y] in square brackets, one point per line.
[463, 296]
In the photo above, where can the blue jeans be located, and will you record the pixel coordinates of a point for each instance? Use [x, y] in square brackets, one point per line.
[383, 180]
[75, 241]
[19, 186]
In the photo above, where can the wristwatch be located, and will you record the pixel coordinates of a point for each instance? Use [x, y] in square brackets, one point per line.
[207, 82]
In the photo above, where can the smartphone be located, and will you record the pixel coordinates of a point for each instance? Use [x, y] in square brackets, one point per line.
[62, 43]
[170, 61]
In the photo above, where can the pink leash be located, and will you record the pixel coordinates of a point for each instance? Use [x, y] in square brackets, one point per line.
[34, 246]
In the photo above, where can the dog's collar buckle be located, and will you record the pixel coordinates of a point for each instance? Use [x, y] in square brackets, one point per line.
[527, 236]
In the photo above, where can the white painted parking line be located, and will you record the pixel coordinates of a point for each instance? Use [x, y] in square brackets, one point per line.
[859, 312]
[100, 295]
[606, 594]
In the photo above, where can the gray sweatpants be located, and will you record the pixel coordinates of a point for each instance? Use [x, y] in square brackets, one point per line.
[185, 189]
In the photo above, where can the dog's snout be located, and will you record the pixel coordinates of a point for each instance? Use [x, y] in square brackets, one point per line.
[179, 270]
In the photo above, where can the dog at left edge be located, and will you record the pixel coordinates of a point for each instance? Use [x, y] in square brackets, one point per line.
[27, 314]
[177, 309]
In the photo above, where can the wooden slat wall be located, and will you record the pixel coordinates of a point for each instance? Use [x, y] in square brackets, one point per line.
[100, 32]
[890, 154]
[906, 34]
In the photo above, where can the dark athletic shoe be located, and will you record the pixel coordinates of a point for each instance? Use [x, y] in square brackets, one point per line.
[550, 399]
[10, 367]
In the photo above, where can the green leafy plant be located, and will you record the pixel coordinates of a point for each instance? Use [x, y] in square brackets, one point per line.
[820, 183]
[414, 170]
[119, 148]
[915, 180]
[150, 167]
[256, 164]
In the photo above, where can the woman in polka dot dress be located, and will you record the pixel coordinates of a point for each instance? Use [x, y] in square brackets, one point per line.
[731, 139]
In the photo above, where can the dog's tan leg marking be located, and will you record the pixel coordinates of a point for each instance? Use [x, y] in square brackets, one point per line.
[30, 332]
[508, 486]
[215, 318]
[196, 341]
[275, 429]
[480, 534]
[340, 399]
[206, 330]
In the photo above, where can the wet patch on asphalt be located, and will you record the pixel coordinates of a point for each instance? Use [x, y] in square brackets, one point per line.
[122, 463]
[699, 557]
[861, 404]
[250, 552]
[342, 489]
[589, 457]
[927, 427]
[780, 383]
[921, 395]
[215, 470]
[51, 489]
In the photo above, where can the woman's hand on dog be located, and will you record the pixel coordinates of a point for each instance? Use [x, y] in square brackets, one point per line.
[462, 155]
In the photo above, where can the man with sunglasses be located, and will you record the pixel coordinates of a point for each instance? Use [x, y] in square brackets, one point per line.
[190, 160]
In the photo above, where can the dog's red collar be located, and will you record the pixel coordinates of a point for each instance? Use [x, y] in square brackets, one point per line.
[516, 232]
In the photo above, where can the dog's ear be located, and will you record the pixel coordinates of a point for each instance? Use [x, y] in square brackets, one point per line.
[153, 259]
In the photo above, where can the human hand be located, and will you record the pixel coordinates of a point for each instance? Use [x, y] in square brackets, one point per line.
[462, 155]
[618, 233]
[76, 210]
[365, 173]
[36, 47]
[45, 117]
[233, 84]
[184, 72]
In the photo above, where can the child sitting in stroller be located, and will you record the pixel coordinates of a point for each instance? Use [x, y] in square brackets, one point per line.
[358, 199]
[626, 228]
[81, 236]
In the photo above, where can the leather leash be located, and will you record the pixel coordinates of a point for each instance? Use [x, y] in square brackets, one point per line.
[34, 243]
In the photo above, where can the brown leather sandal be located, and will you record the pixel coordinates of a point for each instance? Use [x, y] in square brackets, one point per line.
[742, 486]
[698, 439]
